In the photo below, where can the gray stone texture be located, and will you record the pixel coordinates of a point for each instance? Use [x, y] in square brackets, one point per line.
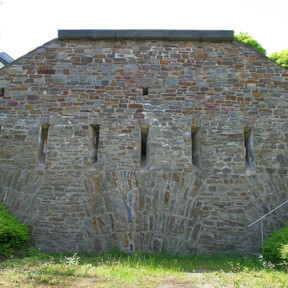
[174, 35]
[77, 201]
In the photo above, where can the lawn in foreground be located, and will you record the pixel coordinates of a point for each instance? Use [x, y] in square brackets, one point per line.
[115, 269]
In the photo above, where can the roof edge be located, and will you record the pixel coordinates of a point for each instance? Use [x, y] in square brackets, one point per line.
[167, 35]
[5, 58]
[258, 52]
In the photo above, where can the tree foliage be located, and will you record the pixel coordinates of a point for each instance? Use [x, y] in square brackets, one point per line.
[280, 58]
[245, 38]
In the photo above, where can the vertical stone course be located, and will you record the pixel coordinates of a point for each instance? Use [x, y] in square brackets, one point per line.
[75, 204]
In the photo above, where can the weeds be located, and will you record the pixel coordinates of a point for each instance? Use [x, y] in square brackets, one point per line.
[116, 269]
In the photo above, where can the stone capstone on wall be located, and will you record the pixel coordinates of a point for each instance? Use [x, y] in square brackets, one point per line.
[144, 144]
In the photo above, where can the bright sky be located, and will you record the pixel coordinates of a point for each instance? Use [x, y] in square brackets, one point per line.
[27, 24]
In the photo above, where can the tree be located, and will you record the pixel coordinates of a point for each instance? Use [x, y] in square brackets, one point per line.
[245, 38]
[280, 58]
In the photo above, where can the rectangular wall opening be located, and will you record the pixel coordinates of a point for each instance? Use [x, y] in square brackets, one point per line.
[43, 144]
[145, 141]
[196, 142]
[249, 149]
[145, 91]
[2, 92]
[94, 133]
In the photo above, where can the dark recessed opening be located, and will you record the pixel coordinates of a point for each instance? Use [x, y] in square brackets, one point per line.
[2, 92]
[195, 137]
[43, 144]
[144, 145]
[249, 149]
[94, 142]
[145, 91]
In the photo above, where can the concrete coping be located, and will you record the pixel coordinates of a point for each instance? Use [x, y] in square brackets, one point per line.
[167, 35]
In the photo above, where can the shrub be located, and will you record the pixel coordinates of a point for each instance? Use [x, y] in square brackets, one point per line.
[272, 245]
[13, 234]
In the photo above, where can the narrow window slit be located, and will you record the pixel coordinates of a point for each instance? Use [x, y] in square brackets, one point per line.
[94, 142]
[145, 91]
[249, 149]
[2, 92]
[145, 139]
[43, 144]
[196, 140]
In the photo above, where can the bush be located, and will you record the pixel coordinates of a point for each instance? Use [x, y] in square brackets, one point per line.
[13, 234]
[272, 246]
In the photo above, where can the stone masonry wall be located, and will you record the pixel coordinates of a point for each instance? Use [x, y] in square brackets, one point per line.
[75, 201]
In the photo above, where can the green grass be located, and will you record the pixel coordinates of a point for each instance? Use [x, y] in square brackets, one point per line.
[116, 269]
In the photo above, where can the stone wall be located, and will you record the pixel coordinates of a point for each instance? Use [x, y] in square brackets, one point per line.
[76, 195]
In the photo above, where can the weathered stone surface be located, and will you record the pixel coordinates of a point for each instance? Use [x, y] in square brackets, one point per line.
[168, 35]
[94, 198]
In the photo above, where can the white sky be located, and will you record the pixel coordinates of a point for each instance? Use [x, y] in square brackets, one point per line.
[27, 24]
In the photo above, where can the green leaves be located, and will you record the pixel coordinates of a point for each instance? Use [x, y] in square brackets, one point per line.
[280, 58]
[13, 234]
[245, 38]
[273, 244]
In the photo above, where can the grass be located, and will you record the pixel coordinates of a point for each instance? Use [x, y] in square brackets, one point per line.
[116, 269]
